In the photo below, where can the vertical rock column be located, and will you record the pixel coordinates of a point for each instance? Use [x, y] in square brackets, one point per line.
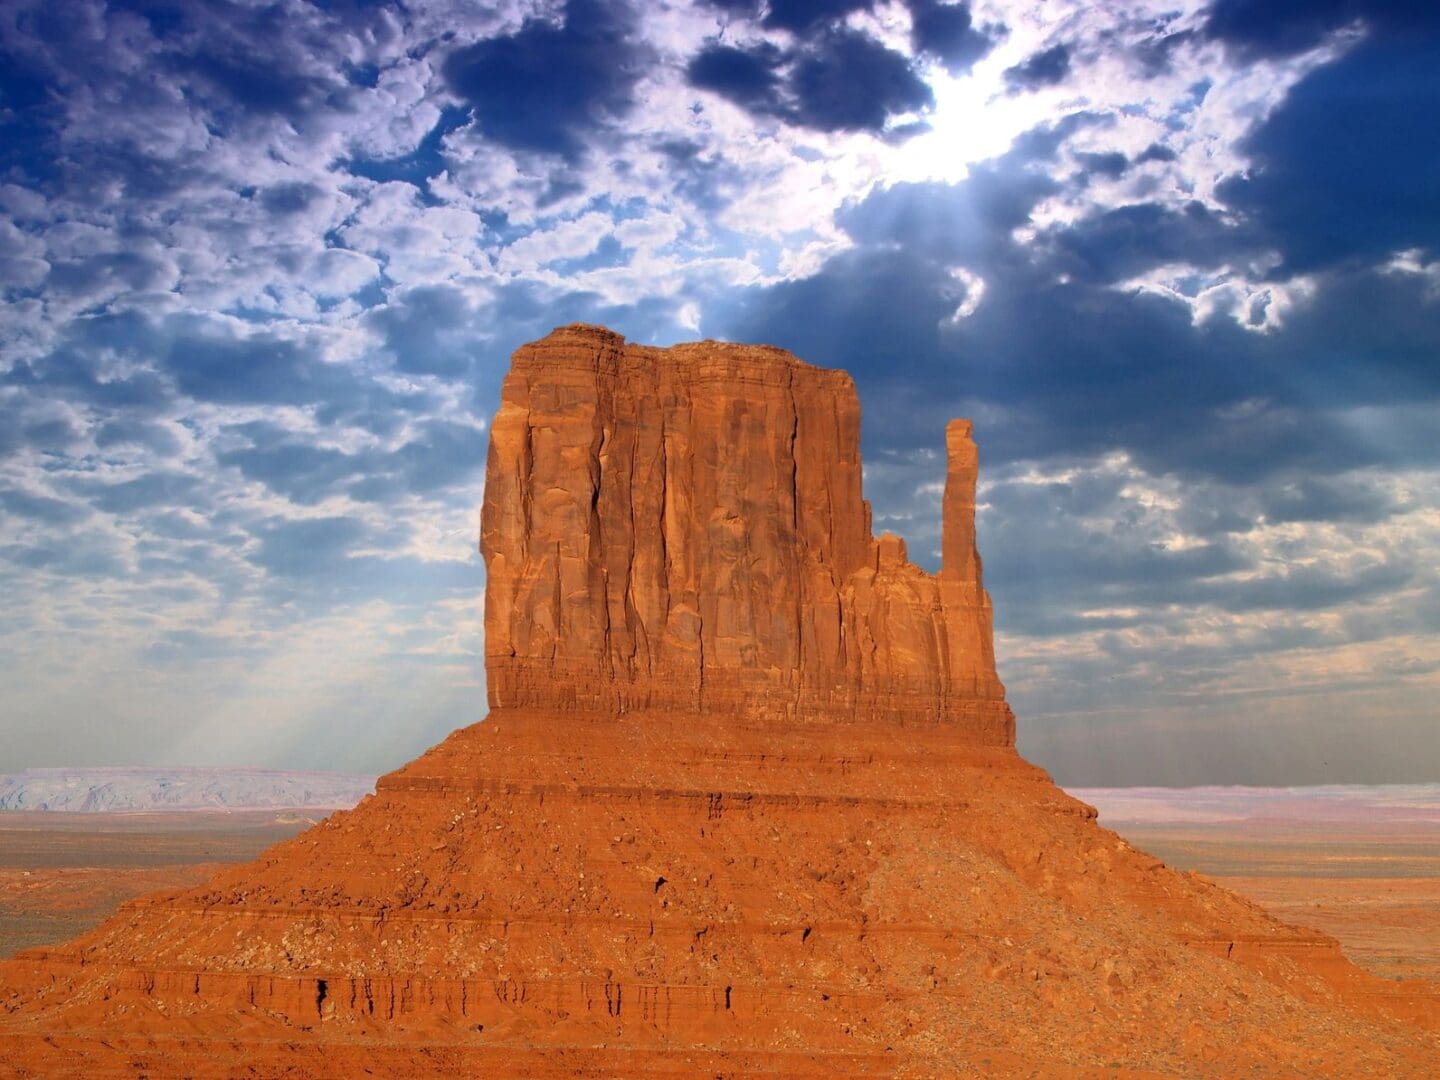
[968, 616]
[959, 557]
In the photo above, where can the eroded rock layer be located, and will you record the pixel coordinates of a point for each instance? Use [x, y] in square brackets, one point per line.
[708, 829]
[684, 528]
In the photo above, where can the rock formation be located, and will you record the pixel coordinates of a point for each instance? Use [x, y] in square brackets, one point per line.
[683, 529]
[746, 801]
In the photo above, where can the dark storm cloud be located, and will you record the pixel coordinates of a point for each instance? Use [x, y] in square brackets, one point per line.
[1112, 164]
[1314, 184]
[860, 307]
[550, 87]
[81, 557]
[840, 80]
[1110, 552]
[748, 77]
[944, 223]
[939, 29]
[707, 179]
[290, 198]
[1081, 368]
[1049, 67]
[854, 83]
[947, 32]
[132, 370]
[1310, 589]
[320, 562]
[1113, 245]
[1156, 152]
[443, 453]
[1263, 28]
[76, 370]
[735, 7]
[808, 14]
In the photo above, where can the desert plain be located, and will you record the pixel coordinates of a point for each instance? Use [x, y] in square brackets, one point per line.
[63, 873]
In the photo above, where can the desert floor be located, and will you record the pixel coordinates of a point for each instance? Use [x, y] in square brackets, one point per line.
[61, 874]
[1374, 888]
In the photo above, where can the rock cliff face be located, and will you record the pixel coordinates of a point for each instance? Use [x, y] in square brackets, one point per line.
[745, 803]
[684, 528]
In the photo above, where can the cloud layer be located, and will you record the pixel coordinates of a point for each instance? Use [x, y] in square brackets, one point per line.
[263, 266]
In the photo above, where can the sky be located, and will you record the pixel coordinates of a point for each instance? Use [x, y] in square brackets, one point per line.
[263, 266]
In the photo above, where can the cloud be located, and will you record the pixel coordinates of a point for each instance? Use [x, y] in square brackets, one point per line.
[853, 83]
[431, 329]
[549, 87]
[947, 32]
[839, 80]
[310, 547]
[1255, 28]
[1312, 184]
[100, 277]
[211, 363]
[42, 508]
[159, 488]
[288, 463]
[748, 77]
[1049, 67]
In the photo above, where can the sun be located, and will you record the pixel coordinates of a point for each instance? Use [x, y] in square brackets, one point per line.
[973, 119]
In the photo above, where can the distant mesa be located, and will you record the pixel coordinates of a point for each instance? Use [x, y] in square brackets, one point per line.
[1328, 804]
[746, 802]
[134, 790]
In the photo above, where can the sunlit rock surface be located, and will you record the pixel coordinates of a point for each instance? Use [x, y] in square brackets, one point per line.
[684, 528]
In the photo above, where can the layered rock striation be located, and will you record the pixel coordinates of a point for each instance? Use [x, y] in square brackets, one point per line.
[746, 802]
[684, 528]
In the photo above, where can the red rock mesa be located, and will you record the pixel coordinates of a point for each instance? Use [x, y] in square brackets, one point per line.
[746, 802]
[683, 529]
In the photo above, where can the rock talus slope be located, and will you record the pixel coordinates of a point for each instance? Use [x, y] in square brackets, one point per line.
[746, 802]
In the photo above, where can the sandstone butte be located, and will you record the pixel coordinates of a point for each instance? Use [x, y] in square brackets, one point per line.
[746, 802]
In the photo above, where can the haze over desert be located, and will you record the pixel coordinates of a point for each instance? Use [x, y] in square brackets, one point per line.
[719, 538]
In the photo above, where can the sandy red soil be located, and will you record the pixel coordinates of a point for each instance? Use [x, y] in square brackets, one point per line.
[1377, 891]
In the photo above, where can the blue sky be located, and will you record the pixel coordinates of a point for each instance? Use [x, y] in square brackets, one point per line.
[263, 266]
